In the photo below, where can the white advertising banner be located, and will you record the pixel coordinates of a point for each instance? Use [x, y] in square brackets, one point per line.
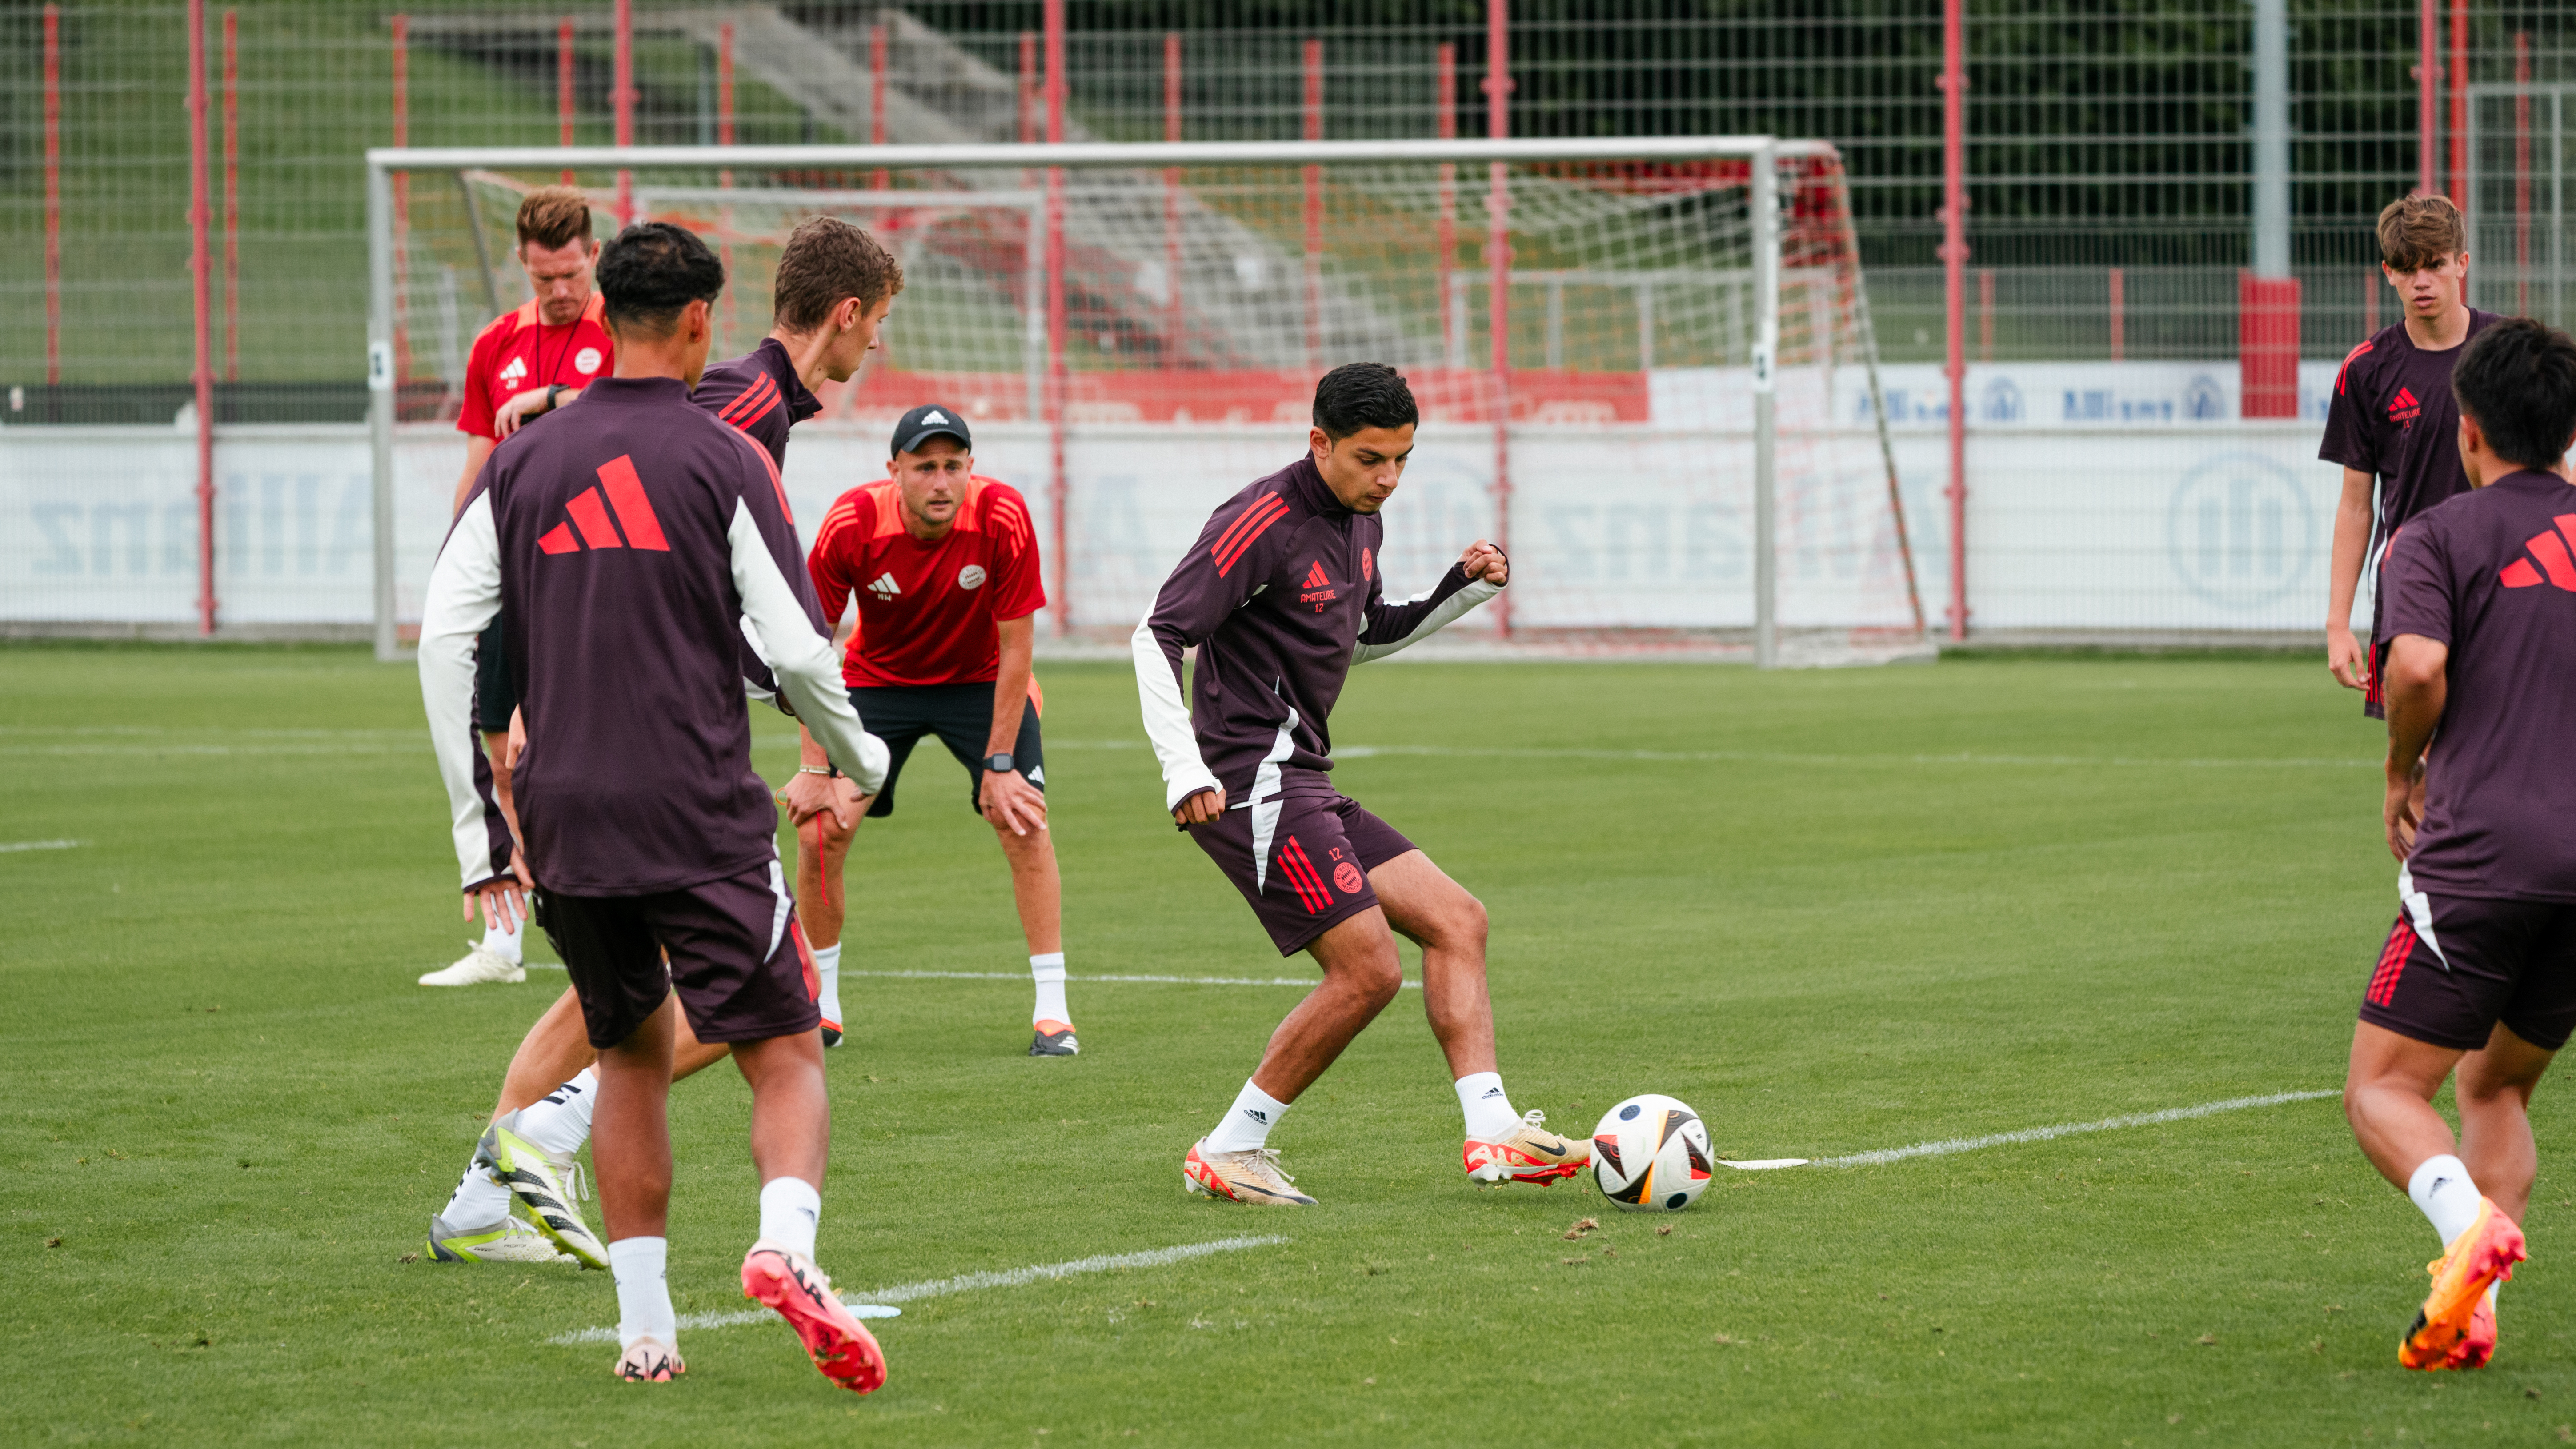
[2085, 526]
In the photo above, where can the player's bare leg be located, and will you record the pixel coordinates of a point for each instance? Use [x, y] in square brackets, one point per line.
[556, 1049]
[2494, 1086]
[2388, 1098]
[822, 852]
[1439, 915]
[791, 1138]
[1038, 890]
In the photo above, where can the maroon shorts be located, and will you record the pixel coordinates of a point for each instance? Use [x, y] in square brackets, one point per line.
[1302, 860]
[737, 958]
[2484, 961]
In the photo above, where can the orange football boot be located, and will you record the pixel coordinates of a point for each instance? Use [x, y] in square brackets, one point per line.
[839, 1345]
[2484, 1254]
[1528, 1153]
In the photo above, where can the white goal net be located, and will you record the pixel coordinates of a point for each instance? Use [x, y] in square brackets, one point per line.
[1645, 366]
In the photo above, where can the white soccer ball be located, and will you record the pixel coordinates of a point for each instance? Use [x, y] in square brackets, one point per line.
[1650, 1154]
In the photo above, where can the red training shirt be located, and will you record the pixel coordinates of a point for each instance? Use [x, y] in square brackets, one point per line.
[519, 351]
[928, 612]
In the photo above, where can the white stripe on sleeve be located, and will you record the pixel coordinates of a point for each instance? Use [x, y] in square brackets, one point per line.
[1450, 611]
[807, 672]
[1167, 719]
[464, 594]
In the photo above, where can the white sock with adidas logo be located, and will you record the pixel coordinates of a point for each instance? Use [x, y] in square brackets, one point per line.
[1246, 1125]
[1490, 1117]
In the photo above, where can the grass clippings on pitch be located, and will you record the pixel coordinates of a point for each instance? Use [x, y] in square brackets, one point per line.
[1837, 913]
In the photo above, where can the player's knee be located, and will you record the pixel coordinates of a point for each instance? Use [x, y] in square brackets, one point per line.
[1460, 923]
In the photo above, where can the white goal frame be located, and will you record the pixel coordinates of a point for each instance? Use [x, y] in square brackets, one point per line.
[1763, 152]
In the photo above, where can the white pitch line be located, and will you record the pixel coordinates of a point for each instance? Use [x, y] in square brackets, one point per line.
[13, 845]
[1308, 981]
[1783, 757]
[1949, 1145]
[860, 1303]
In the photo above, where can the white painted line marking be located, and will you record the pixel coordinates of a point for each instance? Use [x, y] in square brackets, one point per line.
[882, 1299]
[13, 845]
[1950, 1145]
[1783, 757]
[1307, 981]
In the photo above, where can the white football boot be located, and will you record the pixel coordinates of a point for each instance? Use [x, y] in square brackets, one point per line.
[476, 967]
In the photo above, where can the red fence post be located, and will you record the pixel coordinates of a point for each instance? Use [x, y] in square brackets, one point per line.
[2428, 99]
[2522, 175]
[201, 270]
[622, 96]
[1954, 265]
[232, 197]
[564, 88]
[2459, 77]
[53, 195]
[1174, 333]
[1498, 277]
[1445, 97]
[1028, 86]
[876, 97]
[2119, 315]
[1058, 490]
[2267, 340]
[724, 178]
[402, 210]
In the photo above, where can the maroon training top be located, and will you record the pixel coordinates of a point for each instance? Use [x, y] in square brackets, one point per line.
[2492, 574]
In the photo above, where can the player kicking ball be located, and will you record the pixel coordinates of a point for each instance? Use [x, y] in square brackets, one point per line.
[626, 546]
[2480, 609]
[832, 291]
[944, 568]
[1280, 596]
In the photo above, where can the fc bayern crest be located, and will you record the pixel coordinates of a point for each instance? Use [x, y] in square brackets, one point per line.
[971, 577]
[1348, 877]
[586, 361]
[1368, 564]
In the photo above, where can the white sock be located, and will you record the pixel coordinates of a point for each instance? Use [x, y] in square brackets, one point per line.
[827, 969]
[559, 1121]
[789, 1209]
[2441, 1187]
[643, 1292]
[1490, 1117]
[503, 940]
[480, 1201]
[1246, 1125]
[1048, 972]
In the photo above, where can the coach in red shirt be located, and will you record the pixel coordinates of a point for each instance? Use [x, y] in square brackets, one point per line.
[528, 362]
[945, 569]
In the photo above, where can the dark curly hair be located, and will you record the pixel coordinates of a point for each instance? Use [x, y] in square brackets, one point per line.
[651, 270]
[1360, 395]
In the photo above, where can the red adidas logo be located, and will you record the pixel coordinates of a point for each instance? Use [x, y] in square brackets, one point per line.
[1315, 578]
[626, 496]
[1319, 590]
[2553, 556]
[2403, 407]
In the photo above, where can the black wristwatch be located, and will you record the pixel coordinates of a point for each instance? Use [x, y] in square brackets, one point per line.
[554, 391]
[998, 764]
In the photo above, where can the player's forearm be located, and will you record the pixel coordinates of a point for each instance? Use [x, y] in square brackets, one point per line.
[1011, 686]
[2418, 689]
[2351, 539]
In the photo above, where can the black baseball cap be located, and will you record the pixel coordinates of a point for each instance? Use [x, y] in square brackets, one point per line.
[929, 421]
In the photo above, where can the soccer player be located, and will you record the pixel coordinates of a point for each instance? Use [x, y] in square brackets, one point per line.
[944, 566]
[2480, 970]
[832, 292]
[529, 361]
[632, 542]
[2391, 419]
[1280, 595]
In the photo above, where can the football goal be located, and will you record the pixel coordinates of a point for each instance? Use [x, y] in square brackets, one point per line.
[1645, 365]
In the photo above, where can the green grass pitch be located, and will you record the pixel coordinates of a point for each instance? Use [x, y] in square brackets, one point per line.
[1833, 911]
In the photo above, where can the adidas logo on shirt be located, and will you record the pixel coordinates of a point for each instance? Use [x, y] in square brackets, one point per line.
[1318, 588]
[626, 497]
[2404, 408]
[2556, 565]
[885, 587]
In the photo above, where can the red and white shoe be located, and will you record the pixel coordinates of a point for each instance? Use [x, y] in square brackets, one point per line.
[2483, 1255]
[2478, 1344]
[1252, 1177]
[790, 1284]
[650, 1361]
[1528, 1153]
